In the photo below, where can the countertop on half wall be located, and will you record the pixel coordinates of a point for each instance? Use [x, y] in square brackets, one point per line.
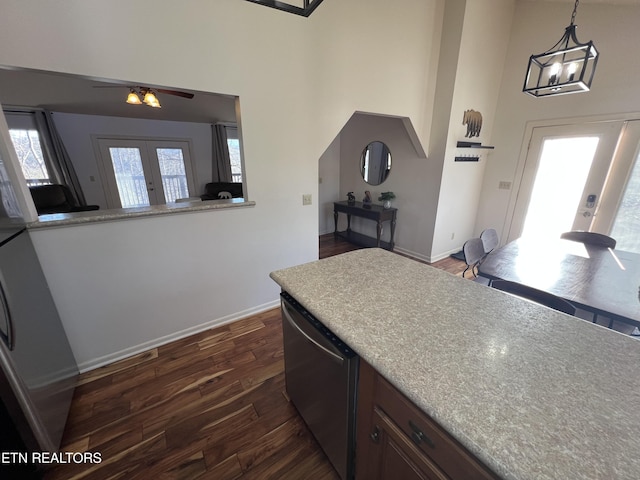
[95, 216]
[532, 392]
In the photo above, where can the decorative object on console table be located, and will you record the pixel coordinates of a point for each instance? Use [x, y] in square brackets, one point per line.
[351, 198]
[371, 212]
[366, 201]
[386, 198]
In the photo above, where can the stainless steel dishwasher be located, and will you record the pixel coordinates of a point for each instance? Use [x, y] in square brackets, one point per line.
[321, 378]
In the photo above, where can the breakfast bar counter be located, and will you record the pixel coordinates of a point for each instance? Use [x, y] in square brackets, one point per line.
[531, 392]
[115, 214]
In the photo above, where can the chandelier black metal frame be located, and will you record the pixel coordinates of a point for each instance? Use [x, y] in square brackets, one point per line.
[568, 67]
[308, 6]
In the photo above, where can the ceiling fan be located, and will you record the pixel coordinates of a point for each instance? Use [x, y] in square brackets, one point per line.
[148, 94]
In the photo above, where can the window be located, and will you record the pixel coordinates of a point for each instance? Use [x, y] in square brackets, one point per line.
[27, 143]
[233, 144]
[626, 226]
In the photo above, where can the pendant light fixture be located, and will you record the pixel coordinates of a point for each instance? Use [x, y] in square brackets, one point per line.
[567, 68]
[307, 8]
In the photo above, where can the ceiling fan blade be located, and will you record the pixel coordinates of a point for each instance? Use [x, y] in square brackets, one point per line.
[174, 92]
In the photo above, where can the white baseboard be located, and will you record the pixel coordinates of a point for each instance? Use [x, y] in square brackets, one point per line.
[425, 258]
[409, 253]
[440, 256]
[143, 347]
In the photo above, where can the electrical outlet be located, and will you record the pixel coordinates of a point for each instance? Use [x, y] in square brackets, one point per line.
[502, 185]
[453, 235]
[306, 199]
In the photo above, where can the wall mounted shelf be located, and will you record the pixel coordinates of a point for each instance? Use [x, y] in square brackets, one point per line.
[473, 145]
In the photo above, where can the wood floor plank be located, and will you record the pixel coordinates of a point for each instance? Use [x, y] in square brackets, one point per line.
[220, 447]
[120, 383]
[271, 442]
[229, 469]
[184, 469]
[118, 366]
[161, 418]
[110, 442]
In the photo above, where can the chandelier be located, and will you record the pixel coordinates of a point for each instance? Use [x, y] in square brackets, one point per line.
[567, 68]
[297, 7]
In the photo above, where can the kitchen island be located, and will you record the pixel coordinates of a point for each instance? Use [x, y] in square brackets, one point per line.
[531, 392]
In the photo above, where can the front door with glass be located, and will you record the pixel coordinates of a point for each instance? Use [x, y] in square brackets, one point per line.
[563, 178]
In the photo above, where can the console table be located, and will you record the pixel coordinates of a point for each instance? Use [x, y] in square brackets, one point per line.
[371, 212]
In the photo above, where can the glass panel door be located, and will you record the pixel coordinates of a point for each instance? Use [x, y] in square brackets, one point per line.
[562, 179]
[129, 175]
[171, 163]
[549, 214]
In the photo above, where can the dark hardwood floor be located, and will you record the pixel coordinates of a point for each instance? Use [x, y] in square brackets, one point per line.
[210, 406]
[331, 245]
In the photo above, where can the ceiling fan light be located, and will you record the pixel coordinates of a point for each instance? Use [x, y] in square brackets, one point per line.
[133, 98]
[150, 99]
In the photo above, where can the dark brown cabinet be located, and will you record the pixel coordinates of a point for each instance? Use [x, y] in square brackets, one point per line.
[397, 440]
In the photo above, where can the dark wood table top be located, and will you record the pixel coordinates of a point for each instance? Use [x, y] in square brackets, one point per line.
[372, 210]
[597, 279]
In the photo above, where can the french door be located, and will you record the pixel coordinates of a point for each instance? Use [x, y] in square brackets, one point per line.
[564, 178]
[145, 172]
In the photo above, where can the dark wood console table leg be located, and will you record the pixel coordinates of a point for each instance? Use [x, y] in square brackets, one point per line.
[335, 223]
[393, 229]
[348, 223]
[378, 233]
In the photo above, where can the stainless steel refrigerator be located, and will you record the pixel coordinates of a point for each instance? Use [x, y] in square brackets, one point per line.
[38, 371]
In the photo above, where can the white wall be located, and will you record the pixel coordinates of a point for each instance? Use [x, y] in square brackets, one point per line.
[124, 285]
[537, 26]
[76, 132]
[329, 186]
[481, 55]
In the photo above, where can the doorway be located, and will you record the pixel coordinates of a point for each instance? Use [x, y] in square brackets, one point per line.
[563, 179]
[140, 172]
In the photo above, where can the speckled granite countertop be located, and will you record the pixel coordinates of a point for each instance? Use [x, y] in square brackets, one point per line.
[94, 216]
[533, 393]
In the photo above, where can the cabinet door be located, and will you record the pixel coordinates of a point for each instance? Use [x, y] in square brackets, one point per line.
[397, 456]
[397, 440]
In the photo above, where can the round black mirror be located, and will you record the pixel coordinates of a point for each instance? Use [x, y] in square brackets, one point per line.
[375, 163]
